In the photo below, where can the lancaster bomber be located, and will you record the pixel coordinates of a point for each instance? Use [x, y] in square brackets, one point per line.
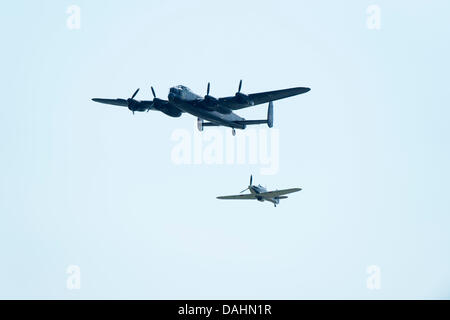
[216, 111]
[261, 194]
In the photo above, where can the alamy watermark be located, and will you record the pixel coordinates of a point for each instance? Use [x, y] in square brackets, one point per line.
[218, 147]
[373, 281]
[73, 21]
[373, 21]
[73, 281]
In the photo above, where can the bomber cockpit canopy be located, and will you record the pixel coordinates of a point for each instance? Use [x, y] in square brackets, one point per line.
[180, 88]
[183, 93]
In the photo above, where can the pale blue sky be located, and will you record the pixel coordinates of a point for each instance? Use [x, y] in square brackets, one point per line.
[94, 186]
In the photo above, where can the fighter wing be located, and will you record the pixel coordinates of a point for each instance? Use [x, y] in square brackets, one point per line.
[238, 196]
[236, 103]
[277, 193]
[115, 102]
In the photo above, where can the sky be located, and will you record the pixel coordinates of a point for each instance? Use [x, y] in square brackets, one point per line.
[96, 189]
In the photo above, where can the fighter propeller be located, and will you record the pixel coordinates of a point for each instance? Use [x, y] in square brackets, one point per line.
[249, 186]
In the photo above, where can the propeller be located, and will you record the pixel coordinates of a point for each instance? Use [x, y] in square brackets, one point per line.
[250, 185]
[154, 96]
[244, 190]
[156, 101]
[210, 100]
[135, 93]
[243, 98]
[131, 102]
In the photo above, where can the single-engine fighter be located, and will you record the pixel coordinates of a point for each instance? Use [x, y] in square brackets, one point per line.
[216, 111]
[261, 194]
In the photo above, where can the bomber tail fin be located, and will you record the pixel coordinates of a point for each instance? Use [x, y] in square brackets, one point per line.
[270, 115]
[268, 121]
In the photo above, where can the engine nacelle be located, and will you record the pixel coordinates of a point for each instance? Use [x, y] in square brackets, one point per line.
[172, 112]
[244, 99]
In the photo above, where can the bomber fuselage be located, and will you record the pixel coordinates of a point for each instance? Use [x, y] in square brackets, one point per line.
[187, 101]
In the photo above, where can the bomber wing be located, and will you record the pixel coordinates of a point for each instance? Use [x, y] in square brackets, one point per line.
[115, 102]
[236, 102]
[144, 105]
[124, 102]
